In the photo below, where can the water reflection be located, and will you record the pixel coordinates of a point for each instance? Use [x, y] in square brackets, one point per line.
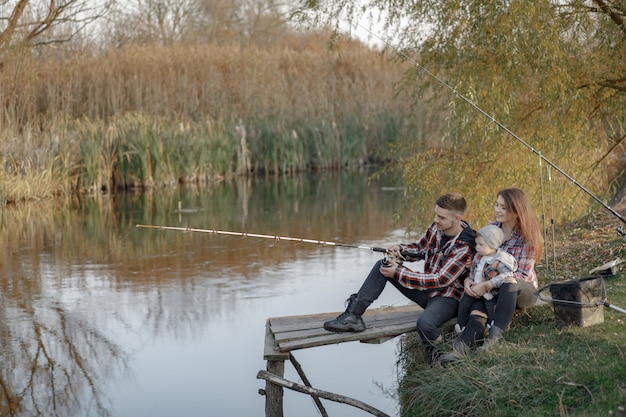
[100, 318]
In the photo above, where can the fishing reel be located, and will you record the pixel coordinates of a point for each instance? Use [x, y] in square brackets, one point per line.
[389, 258]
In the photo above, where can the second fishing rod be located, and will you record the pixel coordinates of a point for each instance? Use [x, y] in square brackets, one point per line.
[497, 123]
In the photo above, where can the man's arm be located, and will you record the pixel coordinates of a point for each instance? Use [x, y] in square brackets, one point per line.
[454, 266]
[417, 251]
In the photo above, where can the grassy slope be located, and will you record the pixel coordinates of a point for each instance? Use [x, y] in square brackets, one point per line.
[539, 370]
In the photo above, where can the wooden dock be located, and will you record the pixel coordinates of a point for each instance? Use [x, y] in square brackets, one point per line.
[286, 334]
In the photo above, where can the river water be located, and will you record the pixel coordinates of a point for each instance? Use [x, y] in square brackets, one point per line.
[101, 318]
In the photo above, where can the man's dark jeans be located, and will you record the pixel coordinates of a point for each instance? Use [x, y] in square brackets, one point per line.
[437, 310]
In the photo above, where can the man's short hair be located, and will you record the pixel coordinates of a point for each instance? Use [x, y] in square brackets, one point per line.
[453, 202]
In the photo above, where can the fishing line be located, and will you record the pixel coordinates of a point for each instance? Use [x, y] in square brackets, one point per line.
[552, 223]
[543, 213]
[493, 120]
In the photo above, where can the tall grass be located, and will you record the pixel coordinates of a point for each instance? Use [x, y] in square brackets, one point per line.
[141, 151]
[537, 371]
[152, 116]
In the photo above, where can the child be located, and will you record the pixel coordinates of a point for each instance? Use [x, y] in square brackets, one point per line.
[490, 263]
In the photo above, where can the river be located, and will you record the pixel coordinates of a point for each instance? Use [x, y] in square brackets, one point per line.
[102, 318]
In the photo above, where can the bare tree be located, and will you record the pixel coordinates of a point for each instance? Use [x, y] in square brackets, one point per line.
[145, 21]
[267, 20]
[171, 21]
[42, 22]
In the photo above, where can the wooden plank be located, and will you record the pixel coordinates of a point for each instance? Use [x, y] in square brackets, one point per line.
[270, 350]
[378, 340]
[334, 338]
[317, 329]
[377, 321]
[369, 312]
[310, 321]
[297, 332]
[372, 321]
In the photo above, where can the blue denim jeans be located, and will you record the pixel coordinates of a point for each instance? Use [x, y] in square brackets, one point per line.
[437, 310]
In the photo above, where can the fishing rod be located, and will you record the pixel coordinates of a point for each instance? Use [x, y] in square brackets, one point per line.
[496, 122]
[276, 238]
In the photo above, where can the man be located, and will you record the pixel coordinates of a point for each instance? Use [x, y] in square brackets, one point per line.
[447, 248]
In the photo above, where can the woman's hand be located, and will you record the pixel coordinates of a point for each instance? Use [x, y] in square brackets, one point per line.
[481, 288]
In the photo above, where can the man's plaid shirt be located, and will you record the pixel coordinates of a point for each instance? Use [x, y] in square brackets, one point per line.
[445, 268]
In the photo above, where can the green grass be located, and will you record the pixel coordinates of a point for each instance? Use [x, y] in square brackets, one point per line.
[539, 370]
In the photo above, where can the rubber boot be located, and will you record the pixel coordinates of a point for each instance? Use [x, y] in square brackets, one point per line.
[495, 335]
[459, 351]
[474, 330]
[350, 320]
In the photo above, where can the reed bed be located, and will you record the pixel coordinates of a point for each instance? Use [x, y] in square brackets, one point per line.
[153, 116]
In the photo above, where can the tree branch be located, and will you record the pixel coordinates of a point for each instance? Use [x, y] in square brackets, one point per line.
[7, 34]
[274, 379]
[616, 18]
[615, 84]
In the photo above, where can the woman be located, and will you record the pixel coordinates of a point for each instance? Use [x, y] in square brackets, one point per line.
[523, 240]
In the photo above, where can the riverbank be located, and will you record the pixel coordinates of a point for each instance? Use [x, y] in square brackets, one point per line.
[539, 369]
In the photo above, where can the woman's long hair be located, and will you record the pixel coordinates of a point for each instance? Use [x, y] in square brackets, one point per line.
[517, 202]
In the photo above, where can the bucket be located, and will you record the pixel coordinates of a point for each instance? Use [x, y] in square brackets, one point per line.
[578, 302]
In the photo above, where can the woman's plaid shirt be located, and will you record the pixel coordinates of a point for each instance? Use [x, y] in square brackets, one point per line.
[445, 268]
[516, 245]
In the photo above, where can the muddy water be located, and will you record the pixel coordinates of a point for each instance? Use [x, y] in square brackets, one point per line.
[101, 318]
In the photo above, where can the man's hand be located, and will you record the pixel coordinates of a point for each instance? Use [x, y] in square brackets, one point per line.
[467, 288]
[389, 271]
[394, 251]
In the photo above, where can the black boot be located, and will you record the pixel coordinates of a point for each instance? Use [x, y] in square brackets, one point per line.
[459, 351]
[432, 352]
[350, 320]
[495, 335]
[474, 330]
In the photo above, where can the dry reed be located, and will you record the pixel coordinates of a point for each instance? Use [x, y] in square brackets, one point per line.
[154, 115]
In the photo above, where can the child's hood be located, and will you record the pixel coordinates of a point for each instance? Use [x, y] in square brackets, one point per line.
[506, 259]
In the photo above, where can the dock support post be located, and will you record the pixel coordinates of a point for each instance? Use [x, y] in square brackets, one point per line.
[276, 366]
[274, 393]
